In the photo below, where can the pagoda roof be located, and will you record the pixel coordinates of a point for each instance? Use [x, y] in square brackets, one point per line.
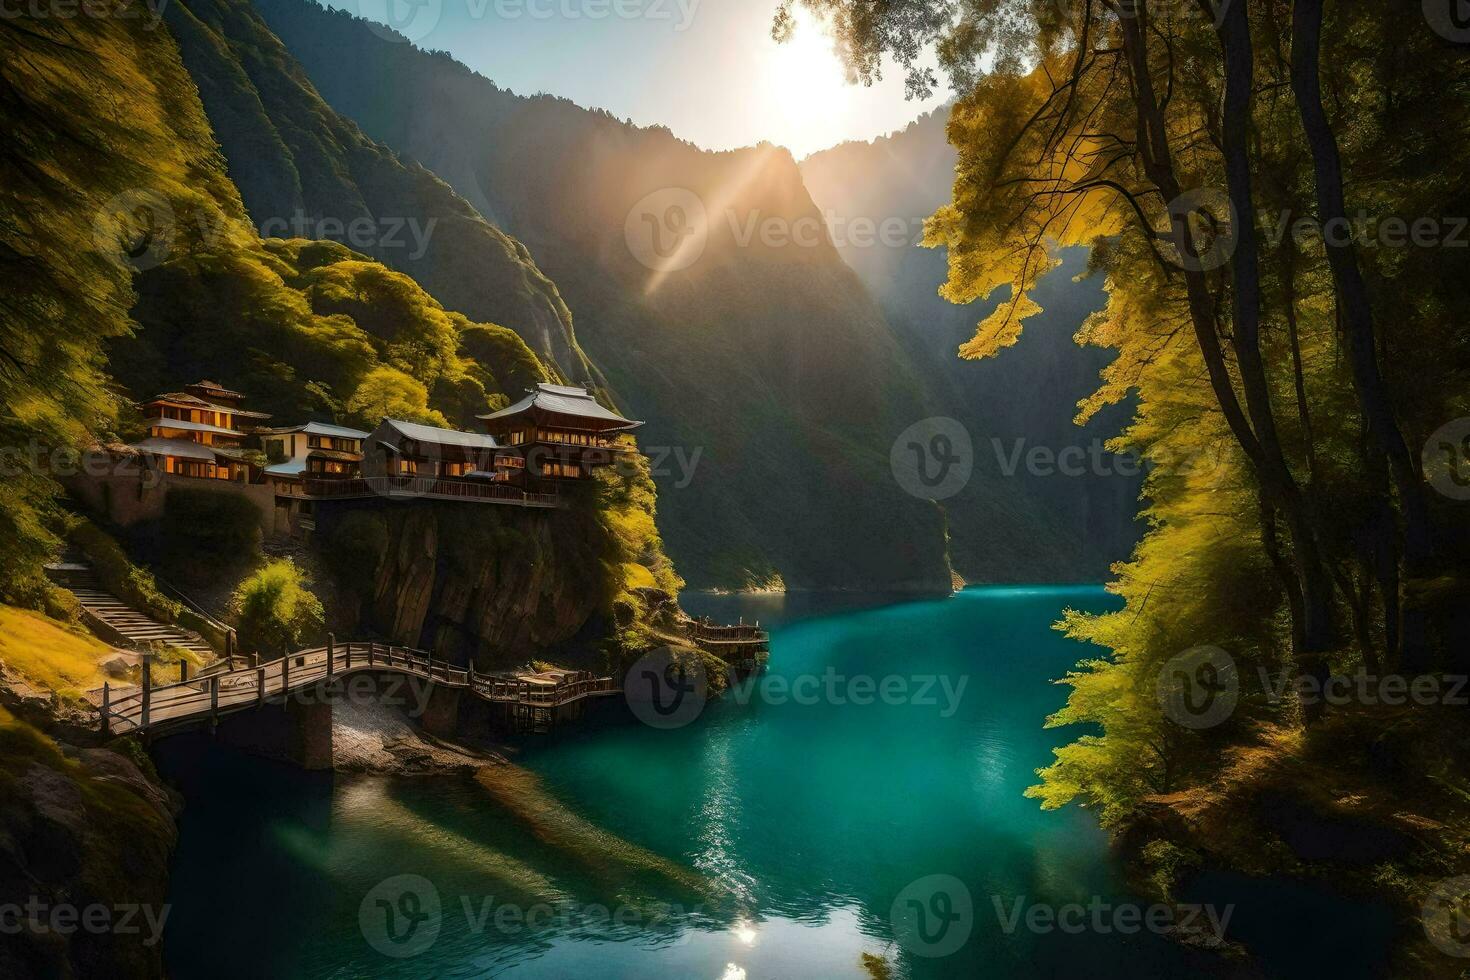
[563, 400]
[194, 401]
[215, 389]
[181, 448]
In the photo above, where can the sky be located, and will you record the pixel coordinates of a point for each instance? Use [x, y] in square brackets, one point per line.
[707, 69]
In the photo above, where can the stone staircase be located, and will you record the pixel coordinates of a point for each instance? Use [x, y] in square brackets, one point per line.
[132, 628]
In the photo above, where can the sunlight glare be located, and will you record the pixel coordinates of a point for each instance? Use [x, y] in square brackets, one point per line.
[805, 79]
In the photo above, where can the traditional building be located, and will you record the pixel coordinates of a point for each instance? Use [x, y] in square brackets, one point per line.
[560, 433]
[425, 460]
[199, 432]
[313, 449]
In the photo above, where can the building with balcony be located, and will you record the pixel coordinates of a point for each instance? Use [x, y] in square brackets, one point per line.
[199, 432]
[560, 433]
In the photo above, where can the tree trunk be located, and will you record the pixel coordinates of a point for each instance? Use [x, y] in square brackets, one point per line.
[1318, 627]
[1357, 313]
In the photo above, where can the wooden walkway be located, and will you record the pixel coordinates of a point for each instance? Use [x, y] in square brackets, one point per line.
[210, 696]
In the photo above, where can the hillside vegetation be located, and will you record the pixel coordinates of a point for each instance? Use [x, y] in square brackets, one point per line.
[305, 171]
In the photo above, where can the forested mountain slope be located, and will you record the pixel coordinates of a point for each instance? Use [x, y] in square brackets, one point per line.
[304, 171]
[1022, 399]
[763, 354]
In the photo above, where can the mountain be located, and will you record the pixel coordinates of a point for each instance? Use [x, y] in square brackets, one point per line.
[773, 386]
[1016, 403]
[306, 172]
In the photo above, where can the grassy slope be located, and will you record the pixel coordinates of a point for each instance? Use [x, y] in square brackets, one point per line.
[50, 653]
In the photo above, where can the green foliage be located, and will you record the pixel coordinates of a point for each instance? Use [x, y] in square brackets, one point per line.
[86, 193]
[387, 392]
[275, 611]
[1166, 862]
[1279, 478]
[625, 505]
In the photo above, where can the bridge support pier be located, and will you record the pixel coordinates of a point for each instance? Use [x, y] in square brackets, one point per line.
[298, 731]
[441, 711]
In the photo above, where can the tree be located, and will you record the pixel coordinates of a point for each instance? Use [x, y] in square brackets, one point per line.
[1214, 155]
[387, 392]
[275, 611]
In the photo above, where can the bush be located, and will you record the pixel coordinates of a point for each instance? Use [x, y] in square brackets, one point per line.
[275, 611]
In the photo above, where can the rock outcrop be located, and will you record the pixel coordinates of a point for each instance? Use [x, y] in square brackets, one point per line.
[496, 585]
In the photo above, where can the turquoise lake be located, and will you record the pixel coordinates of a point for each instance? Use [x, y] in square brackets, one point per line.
[765, 840]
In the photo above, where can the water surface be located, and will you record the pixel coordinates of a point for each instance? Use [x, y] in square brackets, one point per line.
[764, 840]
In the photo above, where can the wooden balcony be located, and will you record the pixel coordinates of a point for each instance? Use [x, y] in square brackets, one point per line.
[425, 488]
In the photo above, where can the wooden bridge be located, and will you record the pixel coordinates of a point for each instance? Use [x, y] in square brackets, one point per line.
[214, 694]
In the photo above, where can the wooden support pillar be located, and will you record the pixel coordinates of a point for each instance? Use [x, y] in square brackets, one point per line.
[183, 671]
[147, 688]
[331, 654]
[214, 697]
[259, 685]
[349, 654]
[106, 709]
[372, 652]
[230, 645]
[285, 674]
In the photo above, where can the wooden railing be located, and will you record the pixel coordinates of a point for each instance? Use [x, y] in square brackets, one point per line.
[443, 488]
[741, 634]
[213, 693]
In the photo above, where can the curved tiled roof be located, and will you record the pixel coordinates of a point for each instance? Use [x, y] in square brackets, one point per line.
[562, 400]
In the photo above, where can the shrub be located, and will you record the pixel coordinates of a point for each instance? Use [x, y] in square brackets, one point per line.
[275, 610]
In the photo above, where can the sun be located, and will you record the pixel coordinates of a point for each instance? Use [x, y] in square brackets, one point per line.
[806, 88]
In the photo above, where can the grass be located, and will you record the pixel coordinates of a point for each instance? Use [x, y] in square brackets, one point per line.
[48, 653]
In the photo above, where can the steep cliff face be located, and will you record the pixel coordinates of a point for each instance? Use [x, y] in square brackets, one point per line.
[485, 584]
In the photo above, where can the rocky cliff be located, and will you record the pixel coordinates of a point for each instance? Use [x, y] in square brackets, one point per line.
[496, 585]
[85, 839]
